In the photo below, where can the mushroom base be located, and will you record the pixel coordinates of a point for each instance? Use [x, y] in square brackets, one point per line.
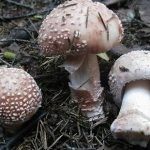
[85, 84]
[133, 121]
[91, 109]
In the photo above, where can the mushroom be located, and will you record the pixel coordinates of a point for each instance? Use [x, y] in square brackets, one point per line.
[129, 81]
[79, 30]
[20, 97]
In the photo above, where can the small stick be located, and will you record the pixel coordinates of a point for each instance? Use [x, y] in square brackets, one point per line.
[84, 82]
[2, 18]
[6, 63]
[107, 33]
[102, 21]
[32, 24]
[55, 142]
[87, 17]
[19, 4]
[16, 40]
[105, 26]
[64, 6]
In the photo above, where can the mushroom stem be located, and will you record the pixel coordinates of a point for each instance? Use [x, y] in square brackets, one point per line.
[133, 121]
[85, 84]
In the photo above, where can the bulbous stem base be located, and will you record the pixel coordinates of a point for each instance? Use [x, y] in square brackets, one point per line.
[133, 121]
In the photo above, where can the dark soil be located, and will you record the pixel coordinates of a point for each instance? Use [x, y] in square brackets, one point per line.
[59, 123]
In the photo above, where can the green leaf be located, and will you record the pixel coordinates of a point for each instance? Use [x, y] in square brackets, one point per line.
[37, 17]
[103, 56]
[9, 55]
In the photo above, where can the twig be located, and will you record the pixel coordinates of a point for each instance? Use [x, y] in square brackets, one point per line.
[87, 17]
[102, 121]
[2, 18]
[19, 4]
[33, 25]
[64, 6]
[107, 33]
[104, 24]
[28, 32]
[6, 63]
[16, 40]
[96, 138]
[106, 136]
[102, 21]
[84, 82]
[54, 143]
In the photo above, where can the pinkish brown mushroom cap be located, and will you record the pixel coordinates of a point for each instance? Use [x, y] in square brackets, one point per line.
[20, 97]
[82, 26]
[129, 67]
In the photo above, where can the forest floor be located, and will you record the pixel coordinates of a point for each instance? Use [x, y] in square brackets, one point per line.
[59, 123]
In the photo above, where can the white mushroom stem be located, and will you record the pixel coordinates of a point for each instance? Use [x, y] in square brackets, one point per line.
[133, 121]
[85, 84]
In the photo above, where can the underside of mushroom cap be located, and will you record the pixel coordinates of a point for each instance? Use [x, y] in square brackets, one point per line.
[81, 26]
[129, 67]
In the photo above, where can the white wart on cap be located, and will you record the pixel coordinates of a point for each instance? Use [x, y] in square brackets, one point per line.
[20, 97]
[80, 27]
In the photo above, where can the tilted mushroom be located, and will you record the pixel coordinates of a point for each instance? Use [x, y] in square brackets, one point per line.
[20, 97]
[79, 30]
[130, 85]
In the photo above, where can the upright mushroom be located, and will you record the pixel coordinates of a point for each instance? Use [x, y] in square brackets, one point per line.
[20, 97]
[129, 81]
[79, 30]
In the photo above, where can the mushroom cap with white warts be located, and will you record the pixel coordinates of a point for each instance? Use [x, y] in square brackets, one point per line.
[129, 67]
[20, 97]
[80, 27]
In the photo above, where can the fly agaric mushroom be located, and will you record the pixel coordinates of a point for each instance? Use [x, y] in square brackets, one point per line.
[20, 97]
[130, 85]
[79, 30]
